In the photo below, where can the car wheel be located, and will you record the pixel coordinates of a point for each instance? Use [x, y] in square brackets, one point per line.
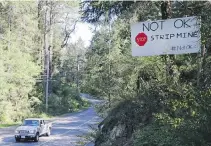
[36, 139]
[17, 139]
[49, 132]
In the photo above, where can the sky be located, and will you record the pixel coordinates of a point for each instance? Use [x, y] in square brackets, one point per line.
[82, 30]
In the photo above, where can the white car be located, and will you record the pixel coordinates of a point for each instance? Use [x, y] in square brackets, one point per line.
[32, 129]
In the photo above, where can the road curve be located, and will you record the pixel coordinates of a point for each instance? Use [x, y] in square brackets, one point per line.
[66, 131]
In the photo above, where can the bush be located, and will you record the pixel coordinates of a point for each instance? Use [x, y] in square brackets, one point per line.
[66, 99]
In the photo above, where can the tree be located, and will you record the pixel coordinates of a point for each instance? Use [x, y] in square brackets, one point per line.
[18, 68]
[31, 38]
[161, 106]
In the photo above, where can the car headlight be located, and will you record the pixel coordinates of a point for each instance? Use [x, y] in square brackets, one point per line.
[16, 131]
[31, 131]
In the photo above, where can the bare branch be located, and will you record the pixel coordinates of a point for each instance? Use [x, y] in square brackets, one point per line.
[68, 33]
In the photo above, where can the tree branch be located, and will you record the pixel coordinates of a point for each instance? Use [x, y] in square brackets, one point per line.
[68, 33]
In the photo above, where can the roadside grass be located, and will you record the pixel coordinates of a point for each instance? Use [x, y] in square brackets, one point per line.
[4, 125]
[46, 116]
[86, 105]
[75, 110]
[43, 115]
[90, 136]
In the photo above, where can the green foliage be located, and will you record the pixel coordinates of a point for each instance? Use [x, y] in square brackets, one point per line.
[22, 61]
[65, 100]
[166, 99]
[18, 69]
[156, 135]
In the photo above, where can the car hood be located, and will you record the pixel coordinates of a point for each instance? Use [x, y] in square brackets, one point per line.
[27, 128]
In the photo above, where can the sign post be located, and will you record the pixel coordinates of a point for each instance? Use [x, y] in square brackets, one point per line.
[171, 36]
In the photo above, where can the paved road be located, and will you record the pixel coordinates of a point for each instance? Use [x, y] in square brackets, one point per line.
[67, 130]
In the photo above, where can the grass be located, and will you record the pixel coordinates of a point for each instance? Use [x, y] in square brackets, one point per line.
[49, 116]
[8, 125]
[44, 116]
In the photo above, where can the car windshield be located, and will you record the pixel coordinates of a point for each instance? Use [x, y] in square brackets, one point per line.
[31, 123]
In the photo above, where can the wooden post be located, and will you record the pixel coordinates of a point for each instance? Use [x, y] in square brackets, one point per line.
[77, 75]
[200, 58]
[109, 67]
[166, 14]
[46, 52]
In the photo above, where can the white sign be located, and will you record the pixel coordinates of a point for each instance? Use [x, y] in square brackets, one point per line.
[171, 36]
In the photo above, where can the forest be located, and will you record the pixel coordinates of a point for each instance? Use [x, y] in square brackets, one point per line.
[34, 52]
[150, 101]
